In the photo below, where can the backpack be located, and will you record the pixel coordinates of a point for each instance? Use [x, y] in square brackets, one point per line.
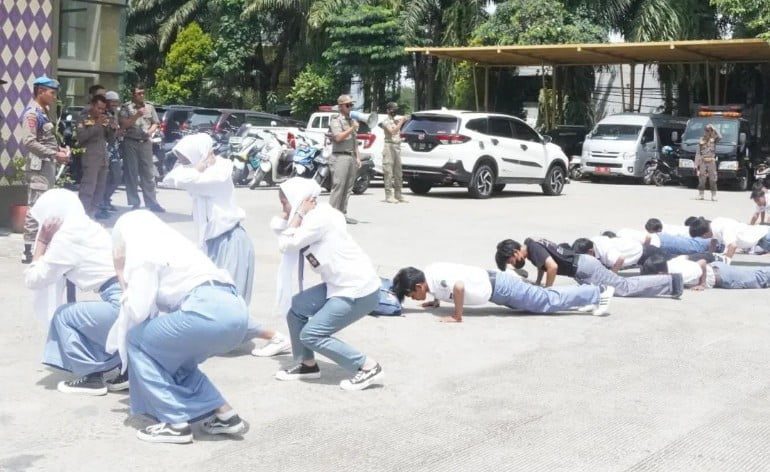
[389, 304]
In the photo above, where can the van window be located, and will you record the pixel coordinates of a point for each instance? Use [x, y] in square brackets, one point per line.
[616, 132]
[664, 134]
[648, 136]
[315, 122]
[524, 132]
[478, 125]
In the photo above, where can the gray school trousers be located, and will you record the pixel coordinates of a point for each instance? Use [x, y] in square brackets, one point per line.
[591, 271]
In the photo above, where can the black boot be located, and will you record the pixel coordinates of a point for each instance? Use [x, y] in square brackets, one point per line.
[26, 258]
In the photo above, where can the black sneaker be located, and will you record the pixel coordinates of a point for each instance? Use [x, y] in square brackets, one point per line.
[363, 379]
[102, 215]
[119, 383]
[109, 207]
[156, 208]
[26, 256]
[165, 433]
[299, 372]
[214, 425]
[92, 384]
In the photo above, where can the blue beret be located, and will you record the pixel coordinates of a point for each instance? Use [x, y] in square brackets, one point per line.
[44, 81]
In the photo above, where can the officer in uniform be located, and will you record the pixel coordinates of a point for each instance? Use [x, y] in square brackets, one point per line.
[139, 122]
[391, 154]
[95, 134]
[345, 160]
[39, 138]
[115, 173]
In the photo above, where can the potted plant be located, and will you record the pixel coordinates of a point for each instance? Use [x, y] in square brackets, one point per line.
[18, 211]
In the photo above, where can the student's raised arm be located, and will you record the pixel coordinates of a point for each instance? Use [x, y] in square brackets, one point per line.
[458, 297]
[550, 272]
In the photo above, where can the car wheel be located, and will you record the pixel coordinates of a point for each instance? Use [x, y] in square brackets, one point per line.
[482, 183]
[361, 184]
[419, 187]
[659, 178]
[554, 181]
[498, 188]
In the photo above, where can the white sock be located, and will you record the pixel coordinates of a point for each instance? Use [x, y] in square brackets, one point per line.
[179, 425]
[226, 416]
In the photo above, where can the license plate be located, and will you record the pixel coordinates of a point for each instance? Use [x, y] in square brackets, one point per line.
[602, 170]
[421, 146]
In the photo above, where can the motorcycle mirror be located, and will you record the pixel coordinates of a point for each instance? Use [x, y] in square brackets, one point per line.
[674, 136]
[68, 119]
[273, 123]
[742, 138]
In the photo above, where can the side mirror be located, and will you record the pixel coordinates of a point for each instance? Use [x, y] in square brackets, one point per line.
[667, 151]
[68, 119]
[273, 123]
[547, 139]
[742, 138]
[675, 136]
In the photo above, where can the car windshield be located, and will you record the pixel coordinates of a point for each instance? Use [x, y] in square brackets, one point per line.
[616, 132]
[432, 124]
[695, 127]
[202, 118]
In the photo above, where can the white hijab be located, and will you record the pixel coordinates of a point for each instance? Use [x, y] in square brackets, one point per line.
[148, 246]
[194, 147]
[296, 190]
[77, 237]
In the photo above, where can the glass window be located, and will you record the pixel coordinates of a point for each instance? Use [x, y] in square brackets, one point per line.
[664, 134]
[204, 118]
[500, 127]
[432, 124]
[648, 135]
[726, 127]
[258, 120]
[315, 122]
[524, 132]
[616, 132]
[324, 122]
[76, 30]
[479, 125]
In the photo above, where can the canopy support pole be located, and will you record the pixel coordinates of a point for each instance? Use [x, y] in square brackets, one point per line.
[716, 84]
[632, 88]
[622, 90]
[475, 87]
[641, 90]
[708, 84]
[486, 88]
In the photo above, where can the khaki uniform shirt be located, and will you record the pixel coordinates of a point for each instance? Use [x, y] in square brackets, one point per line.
[38, 136]
[340, 124]
[388, 124]
[94, 137]
[138, 132]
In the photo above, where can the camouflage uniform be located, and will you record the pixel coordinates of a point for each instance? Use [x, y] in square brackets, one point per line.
[39, 137]
[391, 159]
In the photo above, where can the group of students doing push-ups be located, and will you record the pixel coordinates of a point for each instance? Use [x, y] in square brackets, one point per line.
[167, 303]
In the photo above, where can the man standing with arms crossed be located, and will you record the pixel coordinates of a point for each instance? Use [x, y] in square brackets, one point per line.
[139, 121]
[39, 138]
[391, 155]
[345, 161]
[115, 172]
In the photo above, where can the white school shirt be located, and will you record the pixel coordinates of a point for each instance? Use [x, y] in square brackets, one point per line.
[691, 271]
[215, 210]
[609, 250]
[331, 252]
[442, 277]
[94, 268]
[761, 208]
[639, 236]
[744, 236]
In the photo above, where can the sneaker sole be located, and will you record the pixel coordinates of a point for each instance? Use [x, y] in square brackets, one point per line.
[164, 439]
[94, 392]
[117, 387]
[364, 385]
[235, 429]
[262, 353]
[313, 376]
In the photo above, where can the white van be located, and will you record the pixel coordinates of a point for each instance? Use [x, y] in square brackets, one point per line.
[620, 145]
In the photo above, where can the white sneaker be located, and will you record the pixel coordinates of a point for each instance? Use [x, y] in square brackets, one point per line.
[587, 308]
[273, 348]
[363, 379]
[604, 301]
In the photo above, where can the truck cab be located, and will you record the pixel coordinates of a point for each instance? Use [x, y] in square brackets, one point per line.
[735, 151]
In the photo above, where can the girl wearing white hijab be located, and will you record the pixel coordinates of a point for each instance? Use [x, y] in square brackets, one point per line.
[70, 246]
[208, 180]
[178, 310]
[317, 233]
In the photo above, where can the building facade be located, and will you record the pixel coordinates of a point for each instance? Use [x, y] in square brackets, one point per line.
[78, 42]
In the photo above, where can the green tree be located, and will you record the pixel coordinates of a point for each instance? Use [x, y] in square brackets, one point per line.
[313, 86]
[182, 77]
[367, 41]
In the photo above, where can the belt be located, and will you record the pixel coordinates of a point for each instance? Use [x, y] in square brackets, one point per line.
[216, 283]
[349, 153]
[717, 278]
[112, 280]
[492, 279]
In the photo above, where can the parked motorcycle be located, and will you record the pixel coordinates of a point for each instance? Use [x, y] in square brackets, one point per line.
[762, 172]
[660, 172]
[244, 152]
[575, 172]
[363, 179]
[276, 162]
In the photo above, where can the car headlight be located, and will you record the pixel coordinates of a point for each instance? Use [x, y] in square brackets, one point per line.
[728, 165]
[586, 154]
[629, 155]
[687, 163]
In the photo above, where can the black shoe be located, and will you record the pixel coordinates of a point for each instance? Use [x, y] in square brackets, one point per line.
[109, 207]
[351, 221]
[102, 215]
[92, 384]
[677, 285]
[165, 433]
[119, 383]
[26, 256]
[136, 207]
[299, 372]
[214, 425]
[363, 379]
[156, 208]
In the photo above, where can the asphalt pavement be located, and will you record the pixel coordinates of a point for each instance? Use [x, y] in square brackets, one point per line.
[659, 384]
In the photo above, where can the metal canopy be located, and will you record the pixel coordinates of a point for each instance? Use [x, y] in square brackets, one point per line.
[667, 52]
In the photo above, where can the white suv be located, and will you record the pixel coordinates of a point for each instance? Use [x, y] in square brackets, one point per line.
[483, 151]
